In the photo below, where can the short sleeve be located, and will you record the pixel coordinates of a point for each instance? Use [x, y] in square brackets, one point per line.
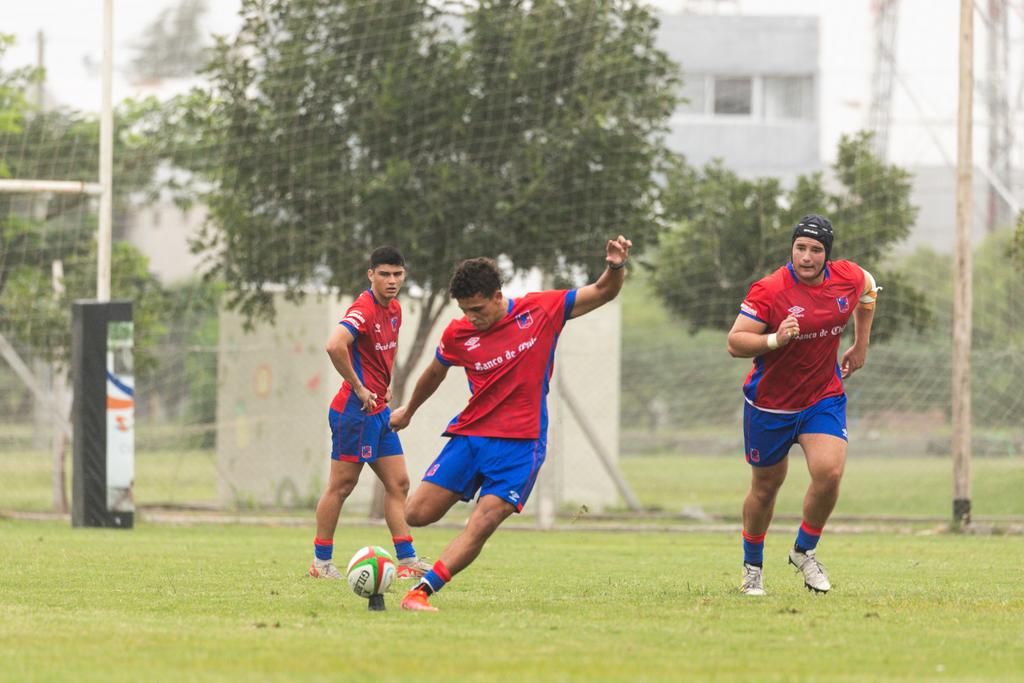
[758, 304]
[443, 353]
[355, 318]
[557, 304]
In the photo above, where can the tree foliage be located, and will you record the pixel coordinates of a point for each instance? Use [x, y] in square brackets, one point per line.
[526, 129]
[731, 231]
[37, 230]
[172, 46]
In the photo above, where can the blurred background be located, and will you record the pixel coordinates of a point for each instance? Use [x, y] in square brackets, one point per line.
[263, 149]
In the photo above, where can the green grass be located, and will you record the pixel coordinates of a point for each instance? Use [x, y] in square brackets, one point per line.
[178, 477]
[871, 486]
[716, 485]
[231, 603]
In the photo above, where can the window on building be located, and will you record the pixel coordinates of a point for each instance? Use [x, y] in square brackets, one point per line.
[788, 97]
[734, 95]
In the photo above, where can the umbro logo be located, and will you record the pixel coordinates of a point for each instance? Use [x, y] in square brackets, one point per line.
[796, 311]
[472, 343]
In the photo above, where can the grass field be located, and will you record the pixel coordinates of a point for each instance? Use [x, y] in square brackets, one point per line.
[671, 483]
[214, 603]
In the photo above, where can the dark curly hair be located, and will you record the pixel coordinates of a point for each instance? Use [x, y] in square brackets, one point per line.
[475, 276]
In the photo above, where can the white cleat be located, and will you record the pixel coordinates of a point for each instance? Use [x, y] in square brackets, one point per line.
[753, 583]
[412, 568]
[324, 569]
[815, 577]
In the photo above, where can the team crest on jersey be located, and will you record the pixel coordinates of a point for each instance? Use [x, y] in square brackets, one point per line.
[796, 311]
[367, 452]
[755, 455]
[843, 303]
[524, 320]
[472, 343]
[394, 322]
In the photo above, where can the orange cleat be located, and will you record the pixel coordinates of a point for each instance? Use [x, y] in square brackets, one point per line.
[416, 601]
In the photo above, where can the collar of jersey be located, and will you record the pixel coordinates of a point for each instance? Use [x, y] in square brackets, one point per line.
[792, 273]
[370, 290]
[511, 303]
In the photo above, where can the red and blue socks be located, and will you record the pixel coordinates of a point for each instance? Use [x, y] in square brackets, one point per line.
[753, 549]
[323, 548]
[403, 547]
[807, 537]
[435, 579]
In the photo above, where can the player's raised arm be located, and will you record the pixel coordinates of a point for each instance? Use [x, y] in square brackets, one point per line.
[426, 385]
[608, 285]
[337, 348]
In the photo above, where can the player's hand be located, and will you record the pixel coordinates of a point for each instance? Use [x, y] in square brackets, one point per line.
[853, 360]
[788, 330]
[367, 398]
[617, 251]
[400, 418]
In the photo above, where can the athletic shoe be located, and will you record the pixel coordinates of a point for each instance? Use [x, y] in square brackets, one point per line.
[753, 582]
[815, 577]
[412, 568]
[324, 569]
[416, 601]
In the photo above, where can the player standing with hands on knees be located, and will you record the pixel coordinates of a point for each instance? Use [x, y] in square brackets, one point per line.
[790, 324]
[363, 348]
[497, 443]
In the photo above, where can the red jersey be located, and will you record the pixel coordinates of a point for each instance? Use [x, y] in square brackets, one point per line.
[804, 371]
[375, 328]
[508, 366]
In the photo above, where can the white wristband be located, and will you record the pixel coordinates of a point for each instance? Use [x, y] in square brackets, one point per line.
[773, 341]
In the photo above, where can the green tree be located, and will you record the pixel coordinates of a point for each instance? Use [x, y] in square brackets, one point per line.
[731, 231]
[526, 129]
[172, 45]
[36, 230]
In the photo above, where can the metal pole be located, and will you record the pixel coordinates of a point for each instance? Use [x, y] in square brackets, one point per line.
[961, 398]
[104, 238]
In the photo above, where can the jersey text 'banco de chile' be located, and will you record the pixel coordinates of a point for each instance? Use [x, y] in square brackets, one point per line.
[508, 366]
[804, 371]
[375, 328]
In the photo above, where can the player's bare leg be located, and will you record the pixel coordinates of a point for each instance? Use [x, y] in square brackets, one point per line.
[489, 513]
[487, 516]
[758, 508]
[343, 478]
[429, 503]
[826, 459]
[759, 505]
[394, 475]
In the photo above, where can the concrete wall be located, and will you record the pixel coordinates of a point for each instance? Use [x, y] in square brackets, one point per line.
[755, 46]
[275, 386]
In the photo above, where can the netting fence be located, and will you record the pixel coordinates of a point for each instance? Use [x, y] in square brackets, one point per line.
[528, 132]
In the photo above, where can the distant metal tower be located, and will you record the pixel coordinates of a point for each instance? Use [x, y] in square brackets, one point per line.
[997, 101]
[885, 13]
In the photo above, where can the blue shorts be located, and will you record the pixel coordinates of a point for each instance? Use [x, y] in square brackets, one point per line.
[767, 437]
[358, 437]
[506, 468]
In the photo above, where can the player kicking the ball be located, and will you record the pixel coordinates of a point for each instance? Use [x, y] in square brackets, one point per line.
[363, 348]
[790, 324]
[497, 443]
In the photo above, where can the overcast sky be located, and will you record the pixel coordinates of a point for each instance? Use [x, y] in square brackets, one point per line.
[924, 107]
